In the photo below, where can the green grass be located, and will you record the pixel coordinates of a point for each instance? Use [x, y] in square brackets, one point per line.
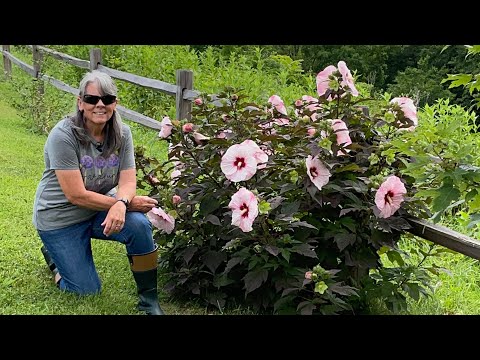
[457, 291]
[26, 284]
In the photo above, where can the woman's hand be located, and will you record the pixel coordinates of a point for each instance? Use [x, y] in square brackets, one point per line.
[142, 203]
[115, 219]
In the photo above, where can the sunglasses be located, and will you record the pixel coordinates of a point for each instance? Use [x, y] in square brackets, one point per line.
[93, 99]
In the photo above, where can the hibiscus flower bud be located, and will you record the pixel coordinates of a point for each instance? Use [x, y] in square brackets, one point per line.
[298, 103]
[153, 180]
[198, 101]
[188, 127]
[200, 138]
[176, 199]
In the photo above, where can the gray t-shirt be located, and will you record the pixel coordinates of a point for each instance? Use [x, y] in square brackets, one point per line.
[62, 151]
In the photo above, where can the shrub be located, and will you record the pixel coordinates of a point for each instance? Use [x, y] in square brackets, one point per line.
[287, 210]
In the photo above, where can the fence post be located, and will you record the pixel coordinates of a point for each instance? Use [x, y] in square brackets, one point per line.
[95, 58]
[37, 66]
[7, 64]
[184, 82]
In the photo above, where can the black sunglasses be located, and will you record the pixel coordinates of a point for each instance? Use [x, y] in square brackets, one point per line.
[93, 99]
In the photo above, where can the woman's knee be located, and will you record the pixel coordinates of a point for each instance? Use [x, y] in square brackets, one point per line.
[138, 223]
[139, 233]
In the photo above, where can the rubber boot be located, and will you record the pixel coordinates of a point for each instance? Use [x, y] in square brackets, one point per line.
[51, 265]
[46, 255]
[144, 270]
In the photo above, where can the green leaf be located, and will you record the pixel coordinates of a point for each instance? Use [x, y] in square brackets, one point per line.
[272, 250]
[304, 224]
[275, 202]
[343, 290]
[343, 240]
[304, 249]
[290, 208]
[213, 219]
[457, 79]
[213, 258]
[413, 290]
[306, 308]
[395, 257]
[474, 220]
[349, 167]
[188, 253]
[221, 280]
[286, 254]
[254, 279]
[208, 205]
[445, 195]
[231, 263]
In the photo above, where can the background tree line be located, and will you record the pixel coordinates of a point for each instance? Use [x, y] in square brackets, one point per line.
[412, 70]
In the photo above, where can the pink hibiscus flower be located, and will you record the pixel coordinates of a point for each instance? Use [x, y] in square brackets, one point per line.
[239, 162]
[166, 128]
[244, 206]
[390, 196]
[409, 110]
[317, 171]
[258, 154]
[343, 136]
[276, 101]
[161, 220]
[347, 78]
[199, 138]
[323, 78]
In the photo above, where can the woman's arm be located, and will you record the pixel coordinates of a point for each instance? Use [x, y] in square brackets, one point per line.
[73, 187]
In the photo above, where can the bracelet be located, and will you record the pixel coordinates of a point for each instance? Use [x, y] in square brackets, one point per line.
[125, 201]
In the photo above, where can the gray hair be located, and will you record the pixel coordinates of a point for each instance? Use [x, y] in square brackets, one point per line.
[113, 127]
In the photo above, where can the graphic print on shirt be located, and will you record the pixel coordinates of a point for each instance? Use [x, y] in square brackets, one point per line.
[98, 172]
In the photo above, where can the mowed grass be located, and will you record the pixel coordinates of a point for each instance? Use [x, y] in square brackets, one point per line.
[26, 284]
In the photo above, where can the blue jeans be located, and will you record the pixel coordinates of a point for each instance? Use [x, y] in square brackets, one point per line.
[71, 250]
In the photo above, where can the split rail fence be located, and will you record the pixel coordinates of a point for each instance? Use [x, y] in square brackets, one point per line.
[184, 94]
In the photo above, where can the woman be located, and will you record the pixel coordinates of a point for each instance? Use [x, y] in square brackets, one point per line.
[88, 191]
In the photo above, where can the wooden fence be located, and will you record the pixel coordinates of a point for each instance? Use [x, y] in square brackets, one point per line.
[182, 90]
[184, 94]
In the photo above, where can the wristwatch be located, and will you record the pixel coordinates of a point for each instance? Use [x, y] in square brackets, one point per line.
[125, 201]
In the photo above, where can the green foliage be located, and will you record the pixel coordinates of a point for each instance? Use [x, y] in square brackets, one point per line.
[41, 105]
[409, 270]
[468, 81]
[310, 250]
[421, 84]
[445, 166]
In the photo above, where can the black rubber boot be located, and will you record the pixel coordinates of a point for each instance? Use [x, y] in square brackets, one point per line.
[51, 265]
[48, 259]
[144, 270]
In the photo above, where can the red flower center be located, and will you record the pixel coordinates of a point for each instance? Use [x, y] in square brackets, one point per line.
[244, 210]
[239, 162]
[388, 197]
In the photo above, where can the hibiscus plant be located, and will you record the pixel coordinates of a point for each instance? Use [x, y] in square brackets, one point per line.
[286, 208]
